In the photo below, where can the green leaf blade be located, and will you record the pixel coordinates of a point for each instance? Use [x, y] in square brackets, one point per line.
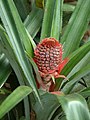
[13, 99]
[75, 78]
[76, 27]
[75, 107]
[33, 21]
[13, 24]
[17, 34]
[47, 20]
[25, 9]
[57, 20]
[74, 59]
[5, 69]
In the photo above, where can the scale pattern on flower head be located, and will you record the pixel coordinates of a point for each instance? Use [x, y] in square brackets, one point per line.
[48, 57]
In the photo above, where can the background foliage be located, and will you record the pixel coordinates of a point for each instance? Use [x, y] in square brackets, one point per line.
[23, 24]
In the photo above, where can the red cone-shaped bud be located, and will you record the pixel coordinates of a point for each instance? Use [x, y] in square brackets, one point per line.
[48, 55]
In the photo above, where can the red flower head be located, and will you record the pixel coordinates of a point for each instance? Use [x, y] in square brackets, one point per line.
[48, 57]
